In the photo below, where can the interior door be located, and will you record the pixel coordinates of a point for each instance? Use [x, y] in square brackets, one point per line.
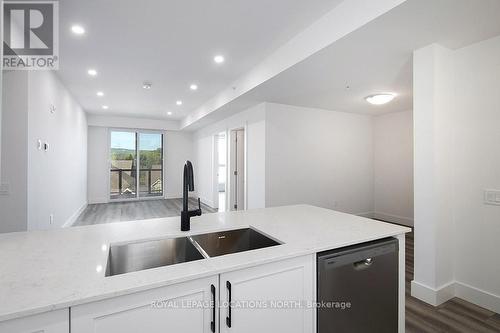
[237, 154]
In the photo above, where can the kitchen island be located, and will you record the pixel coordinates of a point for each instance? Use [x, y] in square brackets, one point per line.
[50, 279]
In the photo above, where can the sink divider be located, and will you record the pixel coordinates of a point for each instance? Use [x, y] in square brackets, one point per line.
[198, 247]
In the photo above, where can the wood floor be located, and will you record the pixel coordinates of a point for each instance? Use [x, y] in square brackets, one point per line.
[455, 315]
[135, 210]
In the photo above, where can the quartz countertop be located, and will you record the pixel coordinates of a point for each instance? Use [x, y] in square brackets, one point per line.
[48, 270]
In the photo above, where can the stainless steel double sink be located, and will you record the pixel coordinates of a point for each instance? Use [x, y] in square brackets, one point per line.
[138, 256]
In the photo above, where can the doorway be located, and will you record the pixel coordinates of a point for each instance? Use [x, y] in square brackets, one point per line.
[136, 165]
[237, 169]
[221, 170]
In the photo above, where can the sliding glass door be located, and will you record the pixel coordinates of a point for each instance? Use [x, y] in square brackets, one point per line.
[136, 169]
[151, 165]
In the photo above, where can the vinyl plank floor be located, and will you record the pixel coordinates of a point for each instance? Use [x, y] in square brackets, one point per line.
[454, 316]
[135, 210]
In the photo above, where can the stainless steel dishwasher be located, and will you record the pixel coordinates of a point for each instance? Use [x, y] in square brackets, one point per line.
[358, 288]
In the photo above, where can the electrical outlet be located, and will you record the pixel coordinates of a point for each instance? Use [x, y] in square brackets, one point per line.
[51, 219]
[492, 197]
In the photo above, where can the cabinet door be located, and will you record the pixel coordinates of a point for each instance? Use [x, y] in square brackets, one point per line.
[50, 322]
[266, 298]
[184, 307]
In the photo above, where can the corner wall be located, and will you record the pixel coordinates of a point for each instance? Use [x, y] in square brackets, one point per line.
[42, 183]
[457, 112]
[319, 157]
[393, 167]
[253, 119]
[14, 155]
[57, 179]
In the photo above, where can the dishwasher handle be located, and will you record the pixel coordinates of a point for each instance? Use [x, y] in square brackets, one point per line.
[360, 257]
[363, 264]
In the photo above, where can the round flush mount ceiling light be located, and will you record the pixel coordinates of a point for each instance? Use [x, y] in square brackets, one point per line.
[147, 85]
[169, 113]
[105, 107]
[92, 72]
[193, 87]
[178, 102]
[100, 94]
[78, 30]
[219, 59]
[380, 99]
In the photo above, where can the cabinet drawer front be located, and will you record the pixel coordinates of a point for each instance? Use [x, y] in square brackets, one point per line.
[50, 322]
[183, 307]
[267, 298]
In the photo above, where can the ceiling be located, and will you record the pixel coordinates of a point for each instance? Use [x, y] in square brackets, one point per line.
[376, 58]
[170, 44]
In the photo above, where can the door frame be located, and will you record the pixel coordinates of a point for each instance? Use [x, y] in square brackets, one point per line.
[215, 169]
[229, 164]
[108, 149]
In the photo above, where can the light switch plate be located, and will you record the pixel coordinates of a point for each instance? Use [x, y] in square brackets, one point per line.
[492, 197]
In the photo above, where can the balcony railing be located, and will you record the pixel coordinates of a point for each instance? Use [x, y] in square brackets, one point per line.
[129, 178]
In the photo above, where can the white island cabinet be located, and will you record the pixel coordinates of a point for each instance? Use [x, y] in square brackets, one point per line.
[50, 322]
[176, 308]
[269, 298]
[265, 298]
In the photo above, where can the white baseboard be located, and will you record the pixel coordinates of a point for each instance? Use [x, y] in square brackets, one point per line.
[433, 296]
[72, 219]
[477, 296]
[94, 201]
[207, 202]
[393, 218]
[461, 290]
[173, 195]
[368, 215]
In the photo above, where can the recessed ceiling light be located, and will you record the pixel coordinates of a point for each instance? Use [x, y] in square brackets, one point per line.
[169, 113]
[219, 59]
[105, 107]
[92, 72]
[178, 102]
[147, 85]
[193, 87]
[100, 93]
[380, 99]
[78, 29]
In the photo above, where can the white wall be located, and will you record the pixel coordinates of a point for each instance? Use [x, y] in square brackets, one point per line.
[434, 258]
[1, 89]
[253, 120]
[319, 157]
[57, 179]
[477, 167]
[42, 183]
[98, 165]
[457, 112]
[14, 160]
[393, 167]
[178, 147]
